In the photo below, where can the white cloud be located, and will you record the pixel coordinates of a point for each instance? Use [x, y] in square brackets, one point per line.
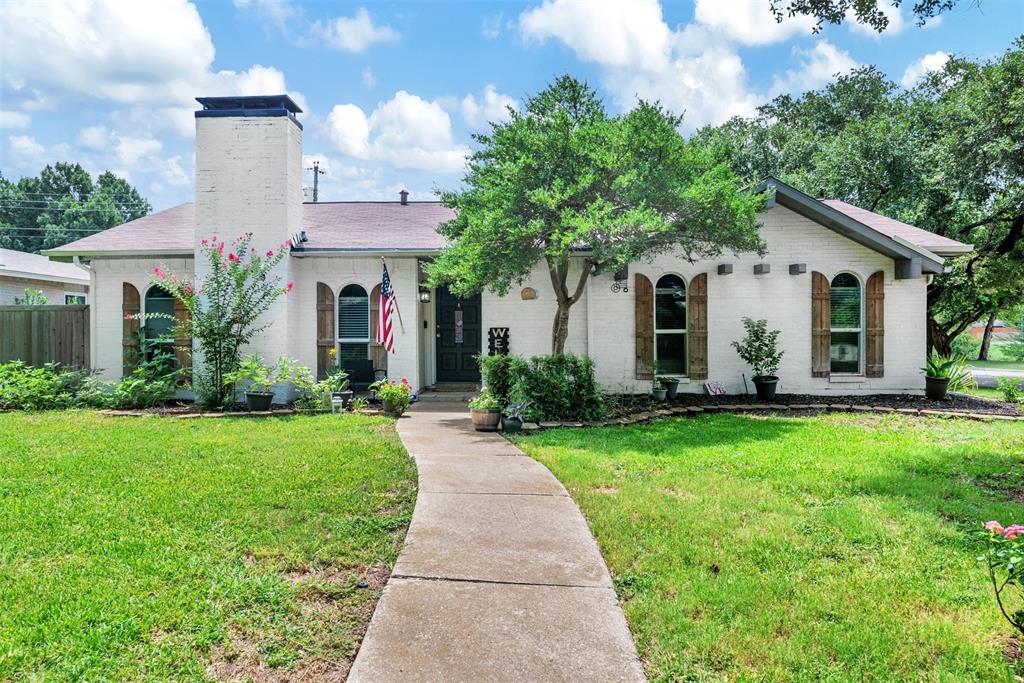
[369, 79]
[94, 137]
[406, 131]
[492, 106]
[918, 69]
[817, 66]
[892, 13]
[14, 119]
[25, 148]
[750, 22]
[934, 22]
[613, 34]
[353, 34]
[130, 150]
[490, 28]
[153, 57]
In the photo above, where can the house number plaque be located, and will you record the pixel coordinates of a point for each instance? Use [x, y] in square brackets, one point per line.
[497, 341]
[458, 325]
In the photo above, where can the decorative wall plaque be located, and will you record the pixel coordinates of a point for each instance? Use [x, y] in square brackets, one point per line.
[497, 341]
[528, 293]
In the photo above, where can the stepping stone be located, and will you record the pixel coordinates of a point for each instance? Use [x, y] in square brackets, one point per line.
[530, 426]
[550, 425]
[679, 410]
[839, 406]
[711, 408]
[936, 413]
[884, 409]
[695, 410]
[777, 406]
[862, 409]
[907, 411]
[666, 412]
[800, 406]
[818, 406]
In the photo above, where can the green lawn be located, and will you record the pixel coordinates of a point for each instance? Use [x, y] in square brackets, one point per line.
[997, 364]
[154, 548]
[830, 548]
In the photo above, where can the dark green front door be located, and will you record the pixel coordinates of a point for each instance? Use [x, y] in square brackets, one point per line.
[458, 337]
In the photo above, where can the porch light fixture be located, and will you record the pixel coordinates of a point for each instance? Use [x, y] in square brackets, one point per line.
[797, 268]
[724, 268]
[424, 295]
[762, 269]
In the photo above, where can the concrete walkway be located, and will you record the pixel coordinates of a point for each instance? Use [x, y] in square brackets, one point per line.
[499, 579]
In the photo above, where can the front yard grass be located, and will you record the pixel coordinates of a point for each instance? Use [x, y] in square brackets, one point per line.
[833, 548]
[161, 549]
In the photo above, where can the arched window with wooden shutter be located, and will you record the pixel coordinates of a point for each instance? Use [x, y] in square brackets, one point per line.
[820, 325]
[697, 328]
[643, 304]
[182, 343]
[325, 339]
[130, 306]
[874, 314]
[378, 354]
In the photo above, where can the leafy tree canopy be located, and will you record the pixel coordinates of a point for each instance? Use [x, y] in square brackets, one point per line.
[867, 12]
[565, 179]
[946, 156]
[62, 204]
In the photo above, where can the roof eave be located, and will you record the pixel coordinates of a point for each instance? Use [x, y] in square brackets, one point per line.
[852, 229]
[368, 251]
[60, 252]
[27, 275]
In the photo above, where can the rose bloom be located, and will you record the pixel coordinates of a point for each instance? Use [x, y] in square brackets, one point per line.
[994, 527]
[1013, 531]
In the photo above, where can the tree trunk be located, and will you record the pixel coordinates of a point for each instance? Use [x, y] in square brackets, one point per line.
[938, 339]
[559, 272]
[986, 339]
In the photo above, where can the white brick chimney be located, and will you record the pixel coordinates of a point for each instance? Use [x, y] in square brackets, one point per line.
[249, 179]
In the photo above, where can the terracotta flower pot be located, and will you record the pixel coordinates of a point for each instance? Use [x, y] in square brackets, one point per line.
[486, 420]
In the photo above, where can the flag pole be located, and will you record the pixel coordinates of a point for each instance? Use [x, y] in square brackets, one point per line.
[398, 310]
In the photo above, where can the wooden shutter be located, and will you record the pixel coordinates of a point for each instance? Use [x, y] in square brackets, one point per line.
[697, 328]
[130, 350]
[325, 337]
[820, 326]
[875, 320]
[182, 342]
[643, 302]
[378, 354]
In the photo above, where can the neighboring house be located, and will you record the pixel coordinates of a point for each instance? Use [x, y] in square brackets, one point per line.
[1000, 330]
[846, 287]
[60, 283]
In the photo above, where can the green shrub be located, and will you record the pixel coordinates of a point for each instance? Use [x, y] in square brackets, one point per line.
[500, 374]
[1010, 388]
[25, 387]
[559, 387]
[967, 346]
[1014, 349]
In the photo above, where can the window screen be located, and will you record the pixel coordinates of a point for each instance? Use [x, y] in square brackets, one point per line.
[670, 325]
[845, 314]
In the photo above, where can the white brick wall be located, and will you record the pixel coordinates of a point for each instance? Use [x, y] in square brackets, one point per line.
[602, 322]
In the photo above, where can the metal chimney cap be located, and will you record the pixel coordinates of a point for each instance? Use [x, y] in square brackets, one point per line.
[404, 196]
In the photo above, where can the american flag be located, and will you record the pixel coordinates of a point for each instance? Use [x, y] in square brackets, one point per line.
[385, 331]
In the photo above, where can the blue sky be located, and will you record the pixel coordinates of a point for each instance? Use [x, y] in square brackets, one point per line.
[393, 90]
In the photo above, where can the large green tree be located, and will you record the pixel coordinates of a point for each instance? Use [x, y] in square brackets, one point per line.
[947, 156]
[566, 184]
[62, 204]
[867, 12]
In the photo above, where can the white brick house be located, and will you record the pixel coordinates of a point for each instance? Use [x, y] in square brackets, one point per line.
[870, 274]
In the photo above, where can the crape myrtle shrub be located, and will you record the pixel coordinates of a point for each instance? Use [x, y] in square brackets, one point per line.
[556, 387]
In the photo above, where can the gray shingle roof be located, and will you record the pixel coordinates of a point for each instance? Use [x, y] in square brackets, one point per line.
[890, 227]
[329, 226]
[35, 267]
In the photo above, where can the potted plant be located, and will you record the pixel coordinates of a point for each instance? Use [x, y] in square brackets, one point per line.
[658, 390]
[760, 350]
[394, 395]
[945, 373]
[338, 384]
[486, 411]
[671, 385]
[512, 418]
[258, 374]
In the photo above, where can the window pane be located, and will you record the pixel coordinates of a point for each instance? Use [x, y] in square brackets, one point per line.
[845, 351]
[73, 299]
[845, 302]
[671, 354]
[670, 304]
[353, 313]
[159, 301]
[350, 350]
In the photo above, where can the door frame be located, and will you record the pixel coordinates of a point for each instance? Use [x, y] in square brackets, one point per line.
[438, 291]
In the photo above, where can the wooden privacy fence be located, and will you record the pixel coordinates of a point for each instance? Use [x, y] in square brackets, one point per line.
[45, 334]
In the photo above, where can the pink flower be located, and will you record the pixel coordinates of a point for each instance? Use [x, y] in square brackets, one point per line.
[232, 257]
[213, 239]
[288, 287]
[159, 273]
[1013, 531]
[405, 381]
[127, 316]
[188, 288]
[220, 248]
[994, 527]
[174, 278]
[269, 253]
[205, 242]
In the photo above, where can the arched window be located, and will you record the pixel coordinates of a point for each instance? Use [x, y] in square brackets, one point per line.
[670, 325]
[846, 324]
[159, 329]
[353, 323]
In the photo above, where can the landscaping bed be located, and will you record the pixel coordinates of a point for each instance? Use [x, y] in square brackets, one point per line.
[165, 549]
[843, 547]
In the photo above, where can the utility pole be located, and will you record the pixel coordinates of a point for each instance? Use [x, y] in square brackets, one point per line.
[316, 180]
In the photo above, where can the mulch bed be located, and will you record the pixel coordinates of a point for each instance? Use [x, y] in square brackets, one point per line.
[189, 411]
[954, 402]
